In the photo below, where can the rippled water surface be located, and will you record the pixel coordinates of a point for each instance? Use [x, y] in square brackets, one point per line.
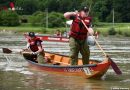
[15, 74]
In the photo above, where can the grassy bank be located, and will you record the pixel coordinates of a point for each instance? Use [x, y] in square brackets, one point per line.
[122, 29]
[29, 28]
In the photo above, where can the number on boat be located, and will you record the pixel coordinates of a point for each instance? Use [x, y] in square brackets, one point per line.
[87, 71]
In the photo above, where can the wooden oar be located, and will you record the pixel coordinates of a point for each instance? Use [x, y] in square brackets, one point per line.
[7, 51]
[113, 64]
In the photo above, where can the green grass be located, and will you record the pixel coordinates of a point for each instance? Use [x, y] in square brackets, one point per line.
[29, 28]
[121, 28]
[21, 28]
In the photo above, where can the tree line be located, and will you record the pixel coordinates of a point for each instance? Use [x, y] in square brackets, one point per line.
[100, 9]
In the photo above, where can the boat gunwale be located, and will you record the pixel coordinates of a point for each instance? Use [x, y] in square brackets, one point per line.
[58, 66]
[67, 66]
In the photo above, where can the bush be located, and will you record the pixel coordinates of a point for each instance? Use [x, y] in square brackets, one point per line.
[37, 18]
[54, 19]
[126, 34]
[24, 18]
[112, 31]
[9, 18]
[120, 32]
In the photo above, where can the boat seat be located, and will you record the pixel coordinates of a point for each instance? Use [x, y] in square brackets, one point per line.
[49, 56]
[91, 62]
[80, 62]
[65, 61]
[57, 58]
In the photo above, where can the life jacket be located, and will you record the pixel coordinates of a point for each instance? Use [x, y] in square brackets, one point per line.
[58, 34]
[33, 44]
[78, 30]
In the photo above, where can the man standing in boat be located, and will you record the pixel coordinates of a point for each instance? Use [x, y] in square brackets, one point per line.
[34, 44]
[78, 35]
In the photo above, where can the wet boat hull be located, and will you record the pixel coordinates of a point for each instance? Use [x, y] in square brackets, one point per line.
[93, 70]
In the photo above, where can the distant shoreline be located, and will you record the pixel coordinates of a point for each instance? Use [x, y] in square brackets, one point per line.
[122, 29]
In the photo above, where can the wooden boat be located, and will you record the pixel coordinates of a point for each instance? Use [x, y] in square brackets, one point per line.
[50, 38]
[61, 64]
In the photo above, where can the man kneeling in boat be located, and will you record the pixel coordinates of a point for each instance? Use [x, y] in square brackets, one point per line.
[34, 44]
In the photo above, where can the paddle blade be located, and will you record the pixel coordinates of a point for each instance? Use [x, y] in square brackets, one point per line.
[6, 50]
[115, 67]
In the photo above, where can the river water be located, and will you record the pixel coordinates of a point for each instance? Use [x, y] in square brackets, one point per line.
[15, 74]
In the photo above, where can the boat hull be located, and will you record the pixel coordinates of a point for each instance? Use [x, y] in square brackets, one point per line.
[95, 70]
[50, 38]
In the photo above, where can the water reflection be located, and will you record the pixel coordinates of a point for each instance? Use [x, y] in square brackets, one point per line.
[47, 81]
[40, 81]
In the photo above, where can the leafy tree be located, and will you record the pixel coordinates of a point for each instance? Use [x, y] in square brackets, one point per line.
[65, 5]
[103, 9]
[122, 7]
[28, 6]
[56, 20]
[117, 17]
[100, 9]
[37, 18]
[9, 18]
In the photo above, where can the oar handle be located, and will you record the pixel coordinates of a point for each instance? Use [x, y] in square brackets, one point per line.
[94, 39]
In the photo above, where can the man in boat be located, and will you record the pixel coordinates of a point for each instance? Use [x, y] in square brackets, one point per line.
[78, 35]
[34, 44]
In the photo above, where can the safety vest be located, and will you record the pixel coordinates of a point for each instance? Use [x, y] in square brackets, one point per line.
[78, 31]
[33, 44]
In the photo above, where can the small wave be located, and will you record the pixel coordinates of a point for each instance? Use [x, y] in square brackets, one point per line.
[8, 68]
[13, 68]
[26, 72]
[2, 65]
[126, 80]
